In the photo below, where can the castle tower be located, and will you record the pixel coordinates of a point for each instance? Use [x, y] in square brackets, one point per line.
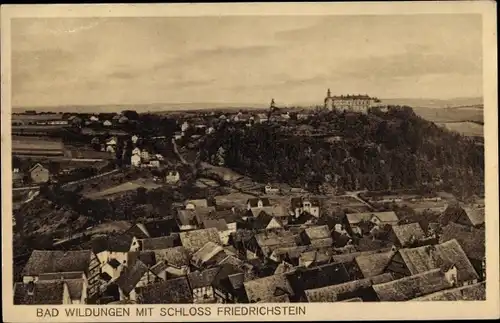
[329, 100]
[272, 105]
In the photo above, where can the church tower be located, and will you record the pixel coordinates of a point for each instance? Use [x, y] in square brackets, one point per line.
[329, 100]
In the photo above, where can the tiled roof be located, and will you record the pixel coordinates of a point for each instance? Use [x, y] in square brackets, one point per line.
[470, 239]
[343, 291]
[262, 289]
[316, 257]
[276, 239]
[120, 243]
[476, 292]
[421, 259]
[198, 203]
[219, 224]
[187, 217]
[293, 252]
[317, 277]
[228, 215]
[389, 217]
[44, 293]
[194, 240]
[159, 243]
[411, 287]
[318, 232]
[321, 243]
[205, 253]
[146, 257]
[172, 291]
[283, 268]
[475, 215]
[277, 299]
[162, 227]
[131, 276]
[374, 264]
[348, 257]
[52, 261]
[75, 287]
[176, 256]
[408, 233]
[198, 279]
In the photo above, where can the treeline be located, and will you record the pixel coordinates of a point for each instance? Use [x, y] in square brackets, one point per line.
[388, 150]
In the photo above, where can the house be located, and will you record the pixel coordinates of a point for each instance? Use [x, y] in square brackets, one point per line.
[112, 247]
[156, 243]
[413, 261]
[159, 157]
[208, 255]
[192, 204]
[374, 264]
[225, 221]
[135, 160]
[258, 203]
[153, 162]
[361, 288]
[184, 126]
[82, 264]
[196, 239]
[476, 292]
[145, 155]
[472, 217]
[407, 288]
[406, 235]
[264, 243]
[75, 120]
[112, 141]
[172, 291]
[50, 292]
[153, 229]
[123, 119]
[290, 254]
[76, 282]
[107, 123]
[210, 130]
[356, 221]
[134, 139]
[94, 118]
[228, 284]
[136, 151]
[312, 258]
[471, 240]
[264, 289]
[317, 277]
[300, 205]
[186, 220]
[317, 236]
[269, 189]
[132, 278]
[39, 174]
[201, 285]
[262, 221]
[172, 177]
[177, 260]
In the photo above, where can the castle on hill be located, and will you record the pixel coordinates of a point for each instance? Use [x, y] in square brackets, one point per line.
[356, 103]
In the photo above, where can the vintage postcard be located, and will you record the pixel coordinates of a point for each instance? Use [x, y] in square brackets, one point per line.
[250, 161]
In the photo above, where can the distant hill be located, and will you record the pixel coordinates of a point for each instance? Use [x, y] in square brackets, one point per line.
[435, 103]
[159, 107]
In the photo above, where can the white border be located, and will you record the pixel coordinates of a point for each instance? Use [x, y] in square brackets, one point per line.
[326, 311]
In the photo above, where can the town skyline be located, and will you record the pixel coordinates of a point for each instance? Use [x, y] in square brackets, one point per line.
[105, 61]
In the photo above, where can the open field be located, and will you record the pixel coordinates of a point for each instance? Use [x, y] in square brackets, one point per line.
[443, 115]
[123, 188]
[465, 128]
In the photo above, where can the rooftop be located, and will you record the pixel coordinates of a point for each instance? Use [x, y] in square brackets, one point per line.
[172, 291]
[194, 240]
[52, 261]
[263, 289]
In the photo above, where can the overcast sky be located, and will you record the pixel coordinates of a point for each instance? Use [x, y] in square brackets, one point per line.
[243, 59]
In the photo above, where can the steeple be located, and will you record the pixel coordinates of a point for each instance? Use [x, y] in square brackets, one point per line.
[328, 94]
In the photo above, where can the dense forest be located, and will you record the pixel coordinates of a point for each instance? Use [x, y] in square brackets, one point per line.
[394, 149]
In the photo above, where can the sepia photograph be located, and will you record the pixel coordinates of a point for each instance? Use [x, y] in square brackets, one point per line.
[272, 160]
